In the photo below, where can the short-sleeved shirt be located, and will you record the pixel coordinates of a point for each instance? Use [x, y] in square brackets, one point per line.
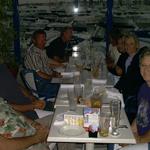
[10, 91]
[36, 59]
[143, 115]
[56, 48]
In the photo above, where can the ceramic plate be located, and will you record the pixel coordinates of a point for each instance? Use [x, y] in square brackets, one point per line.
[71, 130]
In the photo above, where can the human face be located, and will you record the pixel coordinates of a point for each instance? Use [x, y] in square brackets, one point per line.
[145, 69]
[121, 45]
[131, 46]
[67, 36]
[40, 41]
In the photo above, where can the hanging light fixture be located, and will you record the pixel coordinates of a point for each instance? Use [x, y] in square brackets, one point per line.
[76, 6]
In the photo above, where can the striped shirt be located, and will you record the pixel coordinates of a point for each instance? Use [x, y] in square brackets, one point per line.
[36, 59]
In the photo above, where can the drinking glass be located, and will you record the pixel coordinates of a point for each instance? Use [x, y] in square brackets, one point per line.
[88, 88]
[72, 100]
[95, 72]
[104, 124]
[78, 91]
[115, 108]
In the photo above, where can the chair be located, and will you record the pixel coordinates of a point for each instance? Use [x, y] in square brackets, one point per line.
[28, 77]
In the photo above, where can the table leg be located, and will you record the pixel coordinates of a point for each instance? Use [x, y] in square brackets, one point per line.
[110, 146]
[89, 146]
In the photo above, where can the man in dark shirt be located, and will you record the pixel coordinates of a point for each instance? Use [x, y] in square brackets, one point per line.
[56, 49]
[112, 67]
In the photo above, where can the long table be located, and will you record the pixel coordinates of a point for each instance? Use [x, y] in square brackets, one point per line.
[55, 135]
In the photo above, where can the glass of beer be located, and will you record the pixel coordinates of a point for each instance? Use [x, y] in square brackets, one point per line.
[104, 123]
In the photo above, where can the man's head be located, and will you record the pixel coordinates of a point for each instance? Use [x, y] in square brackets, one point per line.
[145, 65]
[114, 34]
[121, 44]
[131, 44]
[39, 39]
[66, 34]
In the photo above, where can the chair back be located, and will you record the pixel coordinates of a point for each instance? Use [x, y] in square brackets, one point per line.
[29, 81]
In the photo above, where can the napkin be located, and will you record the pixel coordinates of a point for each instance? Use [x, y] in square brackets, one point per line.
[59, 119]
[70, 74]
[43, 113]
[115, 95]
[66, 86]
[99, 81]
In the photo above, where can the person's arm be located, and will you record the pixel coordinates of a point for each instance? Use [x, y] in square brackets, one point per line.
[54, 64]
[27, 94]
[140, 139]
[59, 60]
[24, 142]
[38, 104]
[144, 138]
[118, 70]
[44, 75]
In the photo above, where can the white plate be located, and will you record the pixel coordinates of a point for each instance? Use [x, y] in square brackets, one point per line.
[71, 130]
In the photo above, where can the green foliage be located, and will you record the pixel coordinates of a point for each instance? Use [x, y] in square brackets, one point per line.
[6, 30]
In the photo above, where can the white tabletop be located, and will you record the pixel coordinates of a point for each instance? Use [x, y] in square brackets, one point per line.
[62, 99]
[125, 136]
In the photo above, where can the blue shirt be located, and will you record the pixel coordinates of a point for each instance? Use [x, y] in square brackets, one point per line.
[143, 115]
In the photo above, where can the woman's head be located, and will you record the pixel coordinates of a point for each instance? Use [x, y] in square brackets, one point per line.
[145, 65]
[131, 44]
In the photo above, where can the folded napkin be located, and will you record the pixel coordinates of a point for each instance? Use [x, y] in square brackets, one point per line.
[59, 119]
[115, 95]
[99, 81]
[66, 86]
[43, 113]
[70, 74]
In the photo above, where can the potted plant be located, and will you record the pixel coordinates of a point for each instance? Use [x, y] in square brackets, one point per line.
[7, 34]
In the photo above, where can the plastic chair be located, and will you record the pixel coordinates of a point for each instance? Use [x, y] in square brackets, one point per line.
[28, 77]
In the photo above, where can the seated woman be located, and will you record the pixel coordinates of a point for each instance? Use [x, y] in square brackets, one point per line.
[19, 98]
[131, 79]
[141, 125]
[18, 132]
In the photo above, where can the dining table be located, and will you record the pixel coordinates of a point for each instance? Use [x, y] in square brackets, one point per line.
[60, 132]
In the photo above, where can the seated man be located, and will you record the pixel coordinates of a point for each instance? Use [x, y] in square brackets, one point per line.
[37, 60]
[19, 99]
[115, 68]
[56, 49]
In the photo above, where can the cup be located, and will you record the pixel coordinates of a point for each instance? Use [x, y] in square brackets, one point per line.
[97, 96]
[72, 100]
[78, 91]
[115, 108]
[104, 122]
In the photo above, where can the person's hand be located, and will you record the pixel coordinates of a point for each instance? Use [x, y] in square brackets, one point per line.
[41, 134]
[119, 71]
[39, 104]
[109, 62]
[57, 74]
